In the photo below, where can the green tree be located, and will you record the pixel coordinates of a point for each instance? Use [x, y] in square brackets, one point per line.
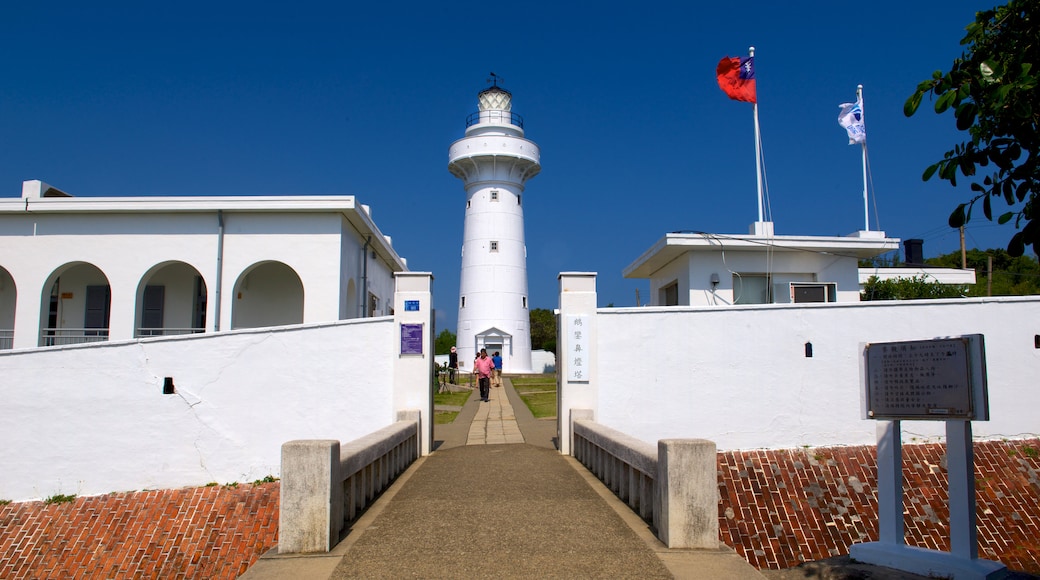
[991, 89]
[444, 341]
[915, 288]
[543, 330]
[1012, 275]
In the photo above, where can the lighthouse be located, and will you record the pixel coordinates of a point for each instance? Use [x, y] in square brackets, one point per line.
[494, 161]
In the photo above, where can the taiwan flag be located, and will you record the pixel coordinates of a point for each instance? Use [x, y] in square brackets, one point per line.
[737, 78]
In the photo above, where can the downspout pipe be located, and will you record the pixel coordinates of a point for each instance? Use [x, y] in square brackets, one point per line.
[364, 277]
[220, 269]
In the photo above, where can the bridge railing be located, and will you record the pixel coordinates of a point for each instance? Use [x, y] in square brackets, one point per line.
[325, 486]
[674, 488]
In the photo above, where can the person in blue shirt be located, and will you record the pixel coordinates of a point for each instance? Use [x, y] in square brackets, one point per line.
[497, 376]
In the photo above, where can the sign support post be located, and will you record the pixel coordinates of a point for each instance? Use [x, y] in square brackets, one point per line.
[942, 379]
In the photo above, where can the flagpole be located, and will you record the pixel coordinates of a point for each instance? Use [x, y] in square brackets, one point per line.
[758, 148]
[866, 205]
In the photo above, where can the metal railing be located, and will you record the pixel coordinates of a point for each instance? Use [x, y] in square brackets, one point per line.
[6, 339]
[64, 336]
[497, 117]
[143, 332]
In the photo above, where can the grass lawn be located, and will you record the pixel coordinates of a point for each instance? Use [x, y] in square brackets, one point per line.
[454, 399]
[444, 417]
[538, 392]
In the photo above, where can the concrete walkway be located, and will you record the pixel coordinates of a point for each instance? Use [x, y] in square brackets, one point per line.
[495, 422]
[496, 500]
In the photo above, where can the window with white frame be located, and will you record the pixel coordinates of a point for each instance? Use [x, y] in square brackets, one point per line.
[494, 195]
[494, 246]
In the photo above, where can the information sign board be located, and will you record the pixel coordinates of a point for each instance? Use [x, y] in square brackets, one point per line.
[937, 380]
[411, 339]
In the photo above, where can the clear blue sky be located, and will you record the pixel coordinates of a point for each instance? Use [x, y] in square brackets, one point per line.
[364, 98]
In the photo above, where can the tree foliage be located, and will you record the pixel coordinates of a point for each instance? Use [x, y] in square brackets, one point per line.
[991, 90]
[444, 341]
[543, 330]
[1012, 275]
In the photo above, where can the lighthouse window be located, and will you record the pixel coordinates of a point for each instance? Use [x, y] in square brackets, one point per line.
[462, 302]
[494, 195]
[517, 200]
[525, 301]
[494, 246]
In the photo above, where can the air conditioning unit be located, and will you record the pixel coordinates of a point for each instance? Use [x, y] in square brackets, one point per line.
[813, 292]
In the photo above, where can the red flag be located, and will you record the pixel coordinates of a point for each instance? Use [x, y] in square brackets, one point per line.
[737, 78]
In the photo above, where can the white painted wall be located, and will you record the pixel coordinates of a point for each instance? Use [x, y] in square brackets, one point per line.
[91, 419]
[739, 375]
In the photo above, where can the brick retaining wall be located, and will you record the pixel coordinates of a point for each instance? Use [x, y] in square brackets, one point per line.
[781, 508]
[206, 532]
[778, 509]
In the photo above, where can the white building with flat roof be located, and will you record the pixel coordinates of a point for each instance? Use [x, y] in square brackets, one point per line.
[705, 269]
[93, 269]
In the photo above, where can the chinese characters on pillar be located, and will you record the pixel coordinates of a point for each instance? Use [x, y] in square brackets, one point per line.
[577, 341]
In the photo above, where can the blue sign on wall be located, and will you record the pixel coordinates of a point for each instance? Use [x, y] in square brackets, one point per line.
[411, 306]
[411, 339]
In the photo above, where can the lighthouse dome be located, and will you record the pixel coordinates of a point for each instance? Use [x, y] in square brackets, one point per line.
[495, 99]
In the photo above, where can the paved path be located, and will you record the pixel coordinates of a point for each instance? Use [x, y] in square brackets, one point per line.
[495, 421]
[497, 500]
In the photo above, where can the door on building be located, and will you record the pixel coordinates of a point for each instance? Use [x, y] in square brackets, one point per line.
[152, 312]
[95, 319]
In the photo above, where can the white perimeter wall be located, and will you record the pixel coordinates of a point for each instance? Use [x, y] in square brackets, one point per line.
[739, 375]
[91, 419]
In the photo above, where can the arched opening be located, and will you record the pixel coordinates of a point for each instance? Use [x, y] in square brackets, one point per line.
[350, 309]
[8, 300]
[267, 294]
[171, 299]
[75, 305]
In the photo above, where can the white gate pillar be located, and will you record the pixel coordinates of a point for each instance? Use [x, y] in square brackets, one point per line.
[413, 368]
[576, 341]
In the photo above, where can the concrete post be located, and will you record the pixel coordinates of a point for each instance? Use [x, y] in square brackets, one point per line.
[310, 514]
[413, 308]
[578, 415]
[576, 345]
[687, 514]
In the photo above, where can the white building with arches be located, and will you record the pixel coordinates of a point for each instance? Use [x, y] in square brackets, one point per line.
[76, 270]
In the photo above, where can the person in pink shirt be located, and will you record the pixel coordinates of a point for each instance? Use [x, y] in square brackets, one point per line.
[482, 368]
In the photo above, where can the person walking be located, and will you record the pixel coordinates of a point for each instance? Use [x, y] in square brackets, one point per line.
[496, 377]
[453, 365]
[482, 367]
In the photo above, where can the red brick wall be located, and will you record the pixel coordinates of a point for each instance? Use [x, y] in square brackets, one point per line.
[781, 508]
[207, 532]
[778, 509]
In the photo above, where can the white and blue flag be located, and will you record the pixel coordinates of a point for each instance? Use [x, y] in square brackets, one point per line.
[851, 117]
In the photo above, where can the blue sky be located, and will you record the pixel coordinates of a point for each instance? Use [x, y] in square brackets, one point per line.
[114, 99]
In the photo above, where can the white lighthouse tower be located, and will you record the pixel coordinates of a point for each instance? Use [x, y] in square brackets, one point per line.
[494, 161]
